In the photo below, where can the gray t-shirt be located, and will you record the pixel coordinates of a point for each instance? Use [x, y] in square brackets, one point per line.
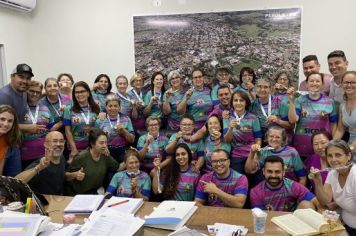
[8, 96]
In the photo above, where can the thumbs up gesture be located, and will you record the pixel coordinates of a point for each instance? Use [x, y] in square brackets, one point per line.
[80, 175]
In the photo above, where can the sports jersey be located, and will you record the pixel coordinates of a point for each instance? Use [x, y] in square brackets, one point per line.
[109, 125]
[314, 115]
[120, 184]
[284, 198]
[174, 117]
[235, 183]
[199, 106]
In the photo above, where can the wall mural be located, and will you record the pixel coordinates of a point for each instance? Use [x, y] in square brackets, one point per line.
[267, 40]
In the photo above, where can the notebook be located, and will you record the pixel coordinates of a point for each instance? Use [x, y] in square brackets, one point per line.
[84, 204]
[124, 204]
[171, 215]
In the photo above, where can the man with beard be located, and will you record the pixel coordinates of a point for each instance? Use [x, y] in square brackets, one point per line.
[278, 193]
[46, 175]
[222, 187]
[311, 65]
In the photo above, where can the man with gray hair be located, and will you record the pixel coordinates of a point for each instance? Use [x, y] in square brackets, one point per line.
[46, 175]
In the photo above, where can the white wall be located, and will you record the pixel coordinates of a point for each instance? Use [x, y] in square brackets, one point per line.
[88, 37]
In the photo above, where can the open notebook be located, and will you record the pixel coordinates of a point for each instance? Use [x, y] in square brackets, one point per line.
[84, 204]
[304, 222]
[171, 215]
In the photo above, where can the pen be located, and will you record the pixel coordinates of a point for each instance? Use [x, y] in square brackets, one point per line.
[119, 203]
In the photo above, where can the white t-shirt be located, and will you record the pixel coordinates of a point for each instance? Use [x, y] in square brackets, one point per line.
[345, 197]
[336, 92]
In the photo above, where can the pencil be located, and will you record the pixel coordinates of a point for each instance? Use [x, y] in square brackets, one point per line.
[119, 203]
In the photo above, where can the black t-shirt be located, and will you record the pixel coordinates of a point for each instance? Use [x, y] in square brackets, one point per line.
[50, 180]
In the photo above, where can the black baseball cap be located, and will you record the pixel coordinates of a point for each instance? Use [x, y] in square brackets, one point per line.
[22, 69]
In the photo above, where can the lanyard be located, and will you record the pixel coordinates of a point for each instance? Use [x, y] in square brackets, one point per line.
[34, 118]
[117, 120]
[55, 109]
[269, 107]
[123, 97]
[86, 119]
[139, 97]
[238, 119]
[157, 94]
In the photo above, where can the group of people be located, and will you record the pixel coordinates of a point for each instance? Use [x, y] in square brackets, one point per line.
[257, 143]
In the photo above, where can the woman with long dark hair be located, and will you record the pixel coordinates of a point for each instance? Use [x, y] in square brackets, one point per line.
[102, 88]
[79, 118]
[154, 98]
[10, 139]
[179, 180]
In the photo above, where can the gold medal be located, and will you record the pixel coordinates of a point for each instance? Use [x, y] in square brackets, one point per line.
[304, 113]
[323, 115]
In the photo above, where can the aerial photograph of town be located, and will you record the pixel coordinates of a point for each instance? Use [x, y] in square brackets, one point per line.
[267, 40]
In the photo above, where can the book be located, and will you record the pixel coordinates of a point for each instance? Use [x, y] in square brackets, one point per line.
[112, 223]
[17, 223]
[171, 215]
[304, 222]
[124, 204]
[84, 204]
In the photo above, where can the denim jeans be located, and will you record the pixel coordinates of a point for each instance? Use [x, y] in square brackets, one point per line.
[12, 165]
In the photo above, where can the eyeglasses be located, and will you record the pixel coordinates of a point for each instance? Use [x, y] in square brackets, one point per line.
[186, 125]
[175, 77]
[153, 125]
[34, 92]
[198, 77]
[352, 83]
[221, 161]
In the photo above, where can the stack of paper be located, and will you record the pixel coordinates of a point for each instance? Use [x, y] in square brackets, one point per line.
[84, 204]
[16, 223]
[123, 204]
[171, 215]
[112, 223]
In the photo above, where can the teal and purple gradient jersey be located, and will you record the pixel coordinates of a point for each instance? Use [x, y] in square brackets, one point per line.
[54, 108]
[284, 198]
[100, 99]
[139, 122]
[234, 184]
[109, 127]
[125, 104]
[278, 108]
[156, 110]
[32, 146]
[210, 145]
[314, 115]
[245, 135]
[199, 106]
[188, 181]
[120, 184]
[314, 161]
[197, 147]
[293, 165]
[76, 120]
[218, 110]
[174, 117]
[156, 147]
